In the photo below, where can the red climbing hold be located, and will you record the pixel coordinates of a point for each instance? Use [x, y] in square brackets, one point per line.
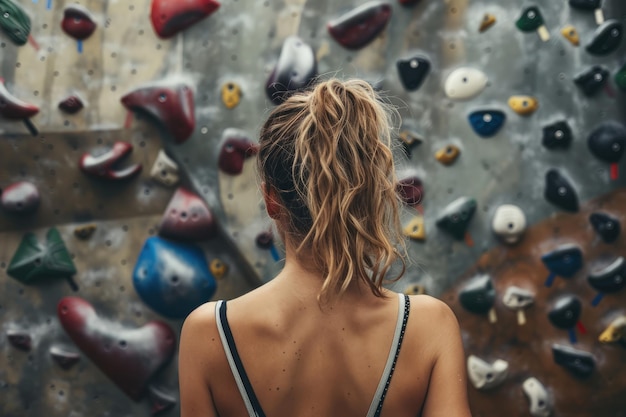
[71, 105]
[170, 17]
[187, 218]
[104, 166]
[13, 108]
[128, 356]
[361, 25]
[236, 149]
[77, 22]
[172, 106]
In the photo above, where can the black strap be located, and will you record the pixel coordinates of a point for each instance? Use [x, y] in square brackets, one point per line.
[242, 372]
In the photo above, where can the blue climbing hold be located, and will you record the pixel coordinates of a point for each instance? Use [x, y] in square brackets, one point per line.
[172, 278]
[487, 123]
[565, 261]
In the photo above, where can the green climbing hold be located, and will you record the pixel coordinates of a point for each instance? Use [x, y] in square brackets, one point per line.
[530, 20]
[620, 78]
[33, 260]
[14, 22]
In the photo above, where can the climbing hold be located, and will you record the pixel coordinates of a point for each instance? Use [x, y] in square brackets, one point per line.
[606, 38]
[560, 192]
[65, 358]
[478, 296]
[415, 228]
[609, 279]
[415, 289]
[620, 78]
[173, 106]
[413, 72]
[231, 95]
[409, 2]
[455, 218]
[589, 5]
[218, 268]
[410, 140]
[236, 148]
[85, 231]
[77, 22]
[448, 154]
[608, 227]
[540, 402]
[578, 362]
[518, 299]
[571, 34]
[11, 107]
[509, 223]
[607, 143]
[484, 375]
[14, 22]
[20, 339]
[160, 400]
[172, 278]
[411, 190]
[71, 105]
[35, 261]
[592, 80]
[295, 70]
[265, 240]
[21, 198]
[565, 261]
[565, 314]
[170, 17]
[557, 135]
[615, 332]
[523, 105]
[128, 356]
[187, 218]
[465, 83]
[488, 21]
[361, 25]
[165, 171]
[531, 20]
[487, 123]
[104, 165]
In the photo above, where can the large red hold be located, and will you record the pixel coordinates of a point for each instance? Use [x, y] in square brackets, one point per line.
[172, 16]
[361, 25]
[77, 22]
[172, 106]
[129, 357]
[14, 108]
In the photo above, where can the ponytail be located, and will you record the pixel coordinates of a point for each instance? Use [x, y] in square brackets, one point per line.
[327, 154]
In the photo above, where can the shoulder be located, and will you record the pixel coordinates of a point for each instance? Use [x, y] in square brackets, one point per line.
[201, 319]
[432, 319]
[199, 333]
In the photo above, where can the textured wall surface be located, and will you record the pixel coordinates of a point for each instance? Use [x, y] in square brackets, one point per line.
[241, 43]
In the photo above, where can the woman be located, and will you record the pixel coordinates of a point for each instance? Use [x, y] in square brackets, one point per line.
[324, 338]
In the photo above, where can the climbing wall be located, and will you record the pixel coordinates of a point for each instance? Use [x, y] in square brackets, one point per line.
[127, 138]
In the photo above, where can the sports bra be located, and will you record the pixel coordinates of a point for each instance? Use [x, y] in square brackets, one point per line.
[245, 388]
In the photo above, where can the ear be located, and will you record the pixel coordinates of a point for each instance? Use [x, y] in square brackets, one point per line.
[272, 205]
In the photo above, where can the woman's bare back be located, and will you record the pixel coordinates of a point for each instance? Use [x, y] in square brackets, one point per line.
[302, 361]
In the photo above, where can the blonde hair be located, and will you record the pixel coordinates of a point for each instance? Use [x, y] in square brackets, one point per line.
[327, 153]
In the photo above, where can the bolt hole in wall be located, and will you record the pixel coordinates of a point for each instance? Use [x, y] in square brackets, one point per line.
[487, 228]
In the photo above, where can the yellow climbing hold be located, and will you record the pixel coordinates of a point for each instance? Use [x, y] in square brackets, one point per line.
[448, 154]
[488, 21]
[218, 268]
[615, 331]
[231, 95]
[415, 289]
[571, 34]
[415, 229]
[523, 105]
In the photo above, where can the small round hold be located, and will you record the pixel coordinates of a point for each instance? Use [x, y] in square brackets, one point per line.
[607, 226]
[231, 95]
[509, 223]
[415, 289]
[78, 22]
[71, 105]
[448, 154]
[415, 229]
[570, 33]
[465, 83]
[530, 20]
[523, 105]
[21, 198]
[265, 240]
[557, 135]
[84, 232]
[218, 268]
[488, 21]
